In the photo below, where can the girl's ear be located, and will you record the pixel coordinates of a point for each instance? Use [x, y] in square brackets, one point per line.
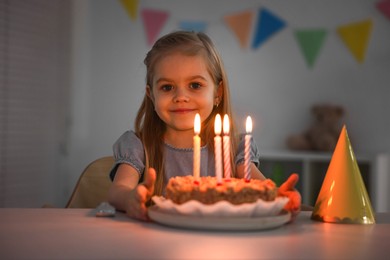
[219, 92]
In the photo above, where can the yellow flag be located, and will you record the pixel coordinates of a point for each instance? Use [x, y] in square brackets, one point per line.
[356, 36]
[131, 8]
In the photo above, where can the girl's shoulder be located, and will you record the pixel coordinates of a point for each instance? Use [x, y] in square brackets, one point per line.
[129, 135]
[128, 139]
[130, 150]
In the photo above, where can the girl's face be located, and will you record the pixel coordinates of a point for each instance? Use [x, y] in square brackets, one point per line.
[181, 88]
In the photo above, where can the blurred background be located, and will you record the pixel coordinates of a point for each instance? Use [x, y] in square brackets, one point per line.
[72, 78]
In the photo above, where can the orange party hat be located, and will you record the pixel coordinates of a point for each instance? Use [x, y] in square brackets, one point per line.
[343, 197]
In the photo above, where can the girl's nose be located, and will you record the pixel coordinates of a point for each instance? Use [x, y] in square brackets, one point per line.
[180, 95]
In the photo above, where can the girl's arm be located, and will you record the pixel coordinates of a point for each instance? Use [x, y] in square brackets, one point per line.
[127, 195]
[286, 189]
[255, 172]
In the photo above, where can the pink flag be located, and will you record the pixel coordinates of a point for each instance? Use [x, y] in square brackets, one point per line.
[153, 20]
[384, 7]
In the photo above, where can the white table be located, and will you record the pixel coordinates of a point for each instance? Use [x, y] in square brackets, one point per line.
[78, 234]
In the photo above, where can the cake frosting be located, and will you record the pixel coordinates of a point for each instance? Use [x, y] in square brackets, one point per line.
[207, 190]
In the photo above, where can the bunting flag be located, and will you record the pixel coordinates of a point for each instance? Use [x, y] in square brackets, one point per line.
[153, 20]
[355, 36]
[267, 25]
[131, 6]
[384, 7]
[195, 26]
[310, 41]
[241, 24]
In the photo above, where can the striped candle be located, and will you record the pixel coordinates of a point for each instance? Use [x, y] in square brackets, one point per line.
[218, 148]
[226, 148]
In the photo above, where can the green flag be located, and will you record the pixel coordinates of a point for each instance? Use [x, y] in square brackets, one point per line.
[310, 41]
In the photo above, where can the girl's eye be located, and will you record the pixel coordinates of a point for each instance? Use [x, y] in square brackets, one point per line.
[166, 88]
[195, 85]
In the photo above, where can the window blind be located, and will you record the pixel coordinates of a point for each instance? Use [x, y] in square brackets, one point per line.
[34, 98]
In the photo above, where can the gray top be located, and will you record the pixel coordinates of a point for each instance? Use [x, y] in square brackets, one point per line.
[129, 149]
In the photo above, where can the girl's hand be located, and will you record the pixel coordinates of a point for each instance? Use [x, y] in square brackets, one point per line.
[136, 205]
[287, 189]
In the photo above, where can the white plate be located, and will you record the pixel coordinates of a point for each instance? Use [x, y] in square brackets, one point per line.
[260, 208]
[218, 223]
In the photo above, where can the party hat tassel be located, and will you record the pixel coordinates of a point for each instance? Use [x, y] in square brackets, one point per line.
[343, 197]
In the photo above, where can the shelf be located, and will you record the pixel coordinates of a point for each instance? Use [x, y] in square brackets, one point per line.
[311, 168]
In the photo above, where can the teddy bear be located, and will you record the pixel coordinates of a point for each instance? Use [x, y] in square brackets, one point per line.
[323, 134]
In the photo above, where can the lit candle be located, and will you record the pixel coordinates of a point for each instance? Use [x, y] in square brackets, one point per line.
[218, 148]
[226, 147]
[196, 147]
[247, 147]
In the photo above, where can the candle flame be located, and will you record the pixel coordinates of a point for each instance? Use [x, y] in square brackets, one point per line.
[248, 125]
[226, 124]
[197, 124]
[217, 124]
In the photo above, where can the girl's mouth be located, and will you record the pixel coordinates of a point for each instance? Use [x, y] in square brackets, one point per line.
[182, 110]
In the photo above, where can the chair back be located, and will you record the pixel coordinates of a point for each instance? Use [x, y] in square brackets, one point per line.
[92, 187]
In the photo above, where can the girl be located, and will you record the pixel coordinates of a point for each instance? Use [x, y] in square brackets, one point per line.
[184, 76]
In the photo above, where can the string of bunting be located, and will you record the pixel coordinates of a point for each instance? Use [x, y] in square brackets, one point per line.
[244, 27]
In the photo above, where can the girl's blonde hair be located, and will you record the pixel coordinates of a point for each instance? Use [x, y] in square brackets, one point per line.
[150, 128]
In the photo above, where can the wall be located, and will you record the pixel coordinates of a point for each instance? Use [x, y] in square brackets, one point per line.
[273, 84]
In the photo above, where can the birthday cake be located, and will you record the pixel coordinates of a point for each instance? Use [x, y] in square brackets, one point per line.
[207, 190]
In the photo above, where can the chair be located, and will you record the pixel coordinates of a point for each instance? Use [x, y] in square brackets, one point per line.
[92, 187]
